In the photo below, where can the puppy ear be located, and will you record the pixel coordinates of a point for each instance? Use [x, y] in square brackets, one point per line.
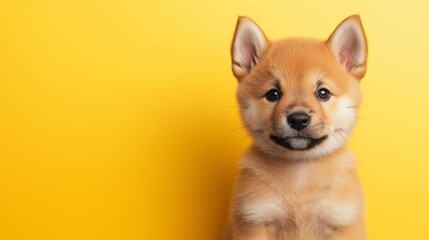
[348, 43]
[248, 46]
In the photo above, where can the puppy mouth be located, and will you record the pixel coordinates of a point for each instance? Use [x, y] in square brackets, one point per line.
[298, 143]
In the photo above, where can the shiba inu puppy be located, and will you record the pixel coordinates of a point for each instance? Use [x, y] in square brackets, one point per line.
[299, 100]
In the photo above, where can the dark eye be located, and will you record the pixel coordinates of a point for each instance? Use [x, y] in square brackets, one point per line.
[323, 94]
[273, 95]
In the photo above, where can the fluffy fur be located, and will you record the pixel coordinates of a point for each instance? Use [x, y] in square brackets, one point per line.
[298, 184]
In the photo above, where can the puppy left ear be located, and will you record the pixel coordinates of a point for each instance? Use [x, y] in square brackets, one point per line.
[348, 43]
[248, 46]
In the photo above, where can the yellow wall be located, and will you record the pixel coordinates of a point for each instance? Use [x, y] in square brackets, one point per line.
[118, 119]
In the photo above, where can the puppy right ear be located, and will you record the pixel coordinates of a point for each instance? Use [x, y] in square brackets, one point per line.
[348, 43]
[248, 46]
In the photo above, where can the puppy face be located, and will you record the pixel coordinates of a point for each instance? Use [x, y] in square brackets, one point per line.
[299, 97]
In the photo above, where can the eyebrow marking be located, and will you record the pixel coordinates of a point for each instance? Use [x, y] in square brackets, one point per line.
[277, 84]
[320, 78]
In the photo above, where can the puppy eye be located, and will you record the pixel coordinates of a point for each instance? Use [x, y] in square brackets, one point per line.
[323, 94]
[273, 95]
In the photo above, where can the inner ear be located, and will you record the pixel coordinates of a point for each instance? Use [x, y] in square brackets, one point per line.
[349, 54]
[248, 46]
[348, 43]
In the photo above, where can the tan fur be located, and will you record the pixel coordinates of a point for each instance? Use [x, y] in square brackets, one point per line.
[298, 194]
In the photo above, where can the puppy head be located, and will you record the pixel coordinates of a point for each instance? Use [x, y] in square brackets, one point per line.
[299, 97]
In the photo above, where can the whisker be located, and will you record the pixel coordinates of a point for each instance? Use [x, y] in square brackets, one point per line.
[239, 107]
[340, 129]
[337, 129]
[248, 135]
[343, 137]
[364, 118]
[251, 132]
[235, 129]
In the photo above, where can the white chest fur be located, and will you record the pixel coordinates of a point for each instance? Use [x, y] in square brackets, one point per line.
[326, 196]
[264, 211]
[336, 212]
[328, 211]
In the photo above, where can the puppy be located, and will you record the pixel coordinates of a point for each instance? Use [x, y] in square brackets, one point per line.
[299, 101]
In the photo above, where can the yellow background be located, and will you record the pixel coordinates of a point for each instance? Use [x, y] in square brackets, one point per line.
[118, 119]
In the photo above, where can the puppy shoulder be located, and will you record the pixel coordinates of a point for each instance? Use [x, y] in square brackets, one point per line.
[256, 201]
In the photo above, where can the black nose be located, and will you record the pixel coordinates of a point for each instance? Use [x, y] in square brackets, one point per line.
[298, 120]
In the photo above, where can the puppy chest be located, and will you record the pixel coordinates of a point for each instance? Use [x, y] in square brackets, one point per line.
[318, 212]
